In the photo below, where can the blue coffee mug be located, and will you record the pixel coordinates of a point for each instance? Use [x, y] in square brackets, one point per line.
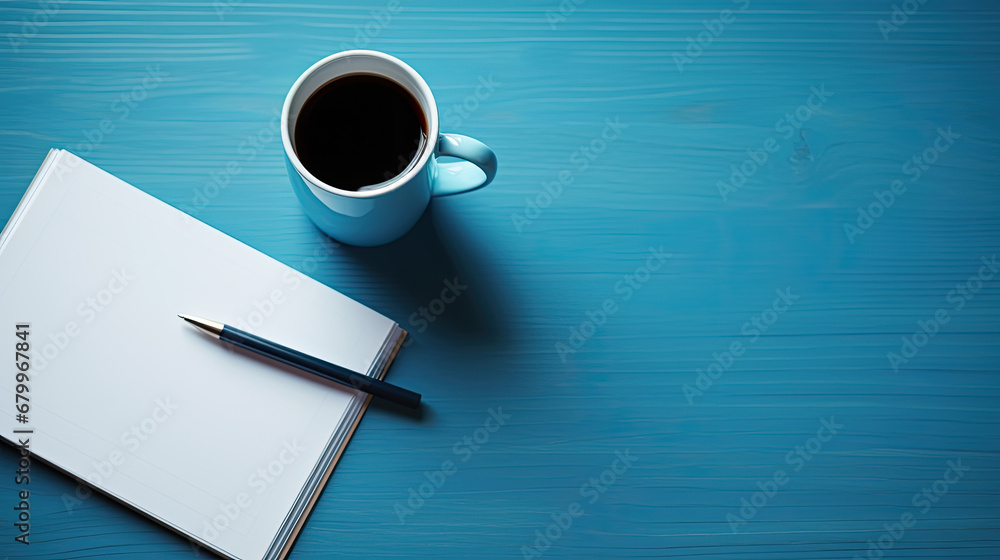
[382, 213]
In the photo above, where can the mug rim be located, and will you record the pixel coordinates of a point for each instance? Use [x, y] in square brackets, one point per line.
[430, 114]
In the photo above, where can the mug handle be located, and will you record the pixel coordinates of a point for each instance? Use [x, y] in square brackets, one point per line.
[465, 176]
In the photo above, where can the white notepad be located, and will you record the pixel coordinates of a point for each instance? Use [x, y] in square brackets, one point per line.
[225, 447]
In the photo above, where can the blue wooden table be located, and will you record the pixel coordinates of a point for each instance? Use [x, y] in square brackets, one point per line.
[732, 294]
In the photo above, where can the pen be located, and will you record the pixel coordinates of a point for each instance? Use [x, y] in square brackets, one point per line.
[306, 362]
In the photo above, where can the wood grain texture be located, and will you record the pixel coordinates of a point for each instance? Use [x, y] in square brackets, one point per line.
[226, 72]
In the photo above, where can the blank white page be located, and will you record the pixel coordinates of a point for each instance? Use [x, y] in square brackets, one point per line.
[214, 442]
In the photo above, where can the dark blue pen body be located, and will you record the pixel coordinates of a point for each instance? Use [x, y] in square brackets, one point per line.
[321, 368]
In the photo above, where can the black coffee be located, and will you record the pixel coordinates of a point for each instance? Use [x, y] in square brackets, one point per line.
[359, 130]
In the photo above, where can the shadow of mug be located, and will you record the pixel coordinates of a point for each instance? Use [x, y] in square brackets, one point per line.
[453, 290]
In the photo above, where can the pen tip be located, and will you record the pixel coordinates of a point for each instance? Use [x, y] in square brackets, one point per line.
[213, 328]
